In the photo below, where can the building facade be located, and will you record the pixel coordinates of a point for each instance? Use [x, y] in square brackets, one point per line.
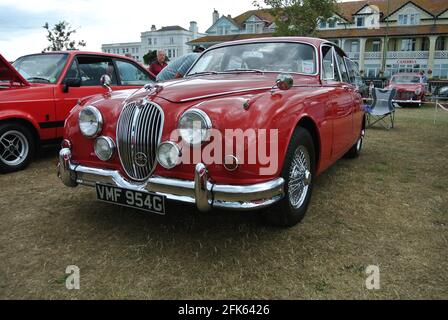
[172, 39]
[383, 37]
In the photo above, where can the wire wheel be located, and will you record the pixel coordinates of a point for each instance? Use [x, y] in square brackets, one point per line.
[299, 177]
[14, 148]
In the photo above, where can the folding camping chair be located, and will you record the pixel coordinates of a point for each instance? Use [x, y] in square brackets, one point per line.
[382, 110]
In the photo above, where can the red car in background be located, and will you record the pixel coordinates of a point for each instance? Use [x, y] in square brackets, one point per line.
[38, 91]
[411, 89]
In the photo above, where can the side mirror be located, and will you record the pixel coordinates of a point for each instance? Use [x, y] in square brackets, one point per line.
[71, 82]
[106, 81]
[284, 81]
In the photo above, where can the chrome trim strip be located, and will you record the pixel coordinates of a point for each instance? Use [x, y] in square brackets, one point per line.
[200, 191]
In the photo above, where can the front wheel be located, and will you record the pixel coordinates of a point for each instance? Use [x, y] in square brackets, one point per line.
[16, 147]
[355, 151]
[298, 173]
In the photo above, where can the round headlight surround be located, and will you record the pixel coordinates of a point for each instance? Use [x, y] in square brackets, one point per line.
[110, 143]
[206, 126]
[418, 91]
[98, 121]
[177, 152]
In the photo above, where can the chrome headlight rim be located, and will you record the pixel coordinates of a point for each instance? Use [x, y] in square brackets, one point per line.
[111, 144]
[178, 150]
[205, 119]
[99, 121]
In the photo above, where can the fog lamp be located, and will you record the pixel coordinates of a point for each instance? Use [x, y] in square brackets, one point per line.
[168, 155]
[104, 148]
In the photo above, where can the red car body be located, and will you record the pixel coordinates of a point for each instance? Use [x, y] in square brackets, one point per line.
[408, 93]
[42, 108]
[331, 111]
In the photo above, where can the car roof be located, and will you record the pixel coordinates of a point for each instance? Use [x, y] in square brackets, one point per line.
[77, 52]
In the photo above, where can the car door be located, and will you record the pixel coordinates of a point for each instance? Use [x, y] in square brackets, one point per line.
[89, 69]
[339, 100]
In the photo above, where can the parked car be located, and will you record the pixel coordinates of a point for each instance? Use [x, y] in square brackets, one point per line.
[38, 91]
[410, 89]
[442, 93]
[295, 89]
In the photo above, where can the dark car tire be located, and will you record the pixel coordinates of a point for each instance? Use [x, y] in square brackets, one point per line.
[292, 209]
[17, 147]
[356, 150]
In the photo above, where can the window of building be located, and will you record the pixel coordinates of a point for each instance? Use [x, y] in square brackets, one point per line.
[440, 71]
[408, 45]
[155, 41]
[440, 44]
[376, 46]
[323, 25]
[171, 40]
[150, 41]
[360, 22]
[332, 23]
[409, 19]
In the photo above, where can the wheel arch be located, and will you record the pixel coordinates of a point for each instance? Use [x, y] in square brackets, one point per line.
[26, 123]
[306, 122]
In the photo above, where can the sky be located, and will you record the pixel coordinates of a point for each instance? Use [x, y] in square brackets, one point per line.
[101, 21]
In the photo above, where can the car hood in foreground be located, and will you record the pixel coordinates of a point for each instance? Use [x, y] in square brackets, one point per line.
[10, 75]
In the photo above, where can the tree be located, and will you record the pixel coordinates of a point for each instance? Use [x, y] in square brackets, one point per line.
[150, 57]
[299, 17]
[59, 37]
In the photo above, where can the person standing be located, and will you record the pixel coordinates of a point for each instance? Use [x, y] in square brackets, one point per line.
[178, 67]
[157, 66]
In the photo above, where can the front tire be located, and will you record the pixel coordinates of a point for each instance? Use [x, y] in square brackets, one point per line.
[17, 147]
[298, 173]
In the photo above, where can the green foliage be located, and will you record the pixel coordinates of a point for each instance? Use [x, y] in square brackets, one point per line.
[59, 37]
[150, 57]
[299, 17]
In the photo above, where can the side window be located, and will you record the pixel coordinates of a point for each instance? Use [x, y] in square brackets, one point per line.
[327, 63]
[73, 72]
[329, 66]
[352, 72]
[92, 68]
[343, 69]
[131, 75]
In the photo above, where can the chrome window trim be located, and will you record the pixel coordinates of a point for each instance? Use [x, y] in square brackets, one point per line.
[322, 63]
[316, 54]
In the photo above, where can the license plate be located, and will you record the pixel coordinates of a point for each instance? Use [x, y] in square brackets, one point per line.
[148, 202]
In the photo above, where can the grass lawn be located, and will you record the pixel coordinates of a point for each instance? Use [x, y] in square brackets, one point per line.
[387, 208]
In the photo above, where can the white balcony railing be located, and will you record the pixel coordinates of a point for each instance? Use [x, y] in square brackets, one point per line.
[353, 55]
[373, 55]
[441, 55]
[408, 55]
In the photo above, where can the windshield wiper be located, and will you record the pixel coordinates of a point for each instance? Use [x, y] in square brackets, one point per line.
[203, 73]
[244, 70]
[38, 78]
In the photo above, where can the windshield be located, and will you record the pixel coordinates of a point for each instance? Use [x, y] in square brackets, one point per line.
[406, 79]
[258, 57]
[44, 68]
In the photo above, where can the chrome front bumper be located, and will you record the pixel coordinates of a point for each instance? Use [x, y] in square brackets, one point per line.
[201, 191]
[408, 101]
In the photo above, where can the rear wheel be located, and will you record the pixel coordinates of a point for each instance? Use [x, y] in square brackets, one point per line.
[17, 147]
[298, 173]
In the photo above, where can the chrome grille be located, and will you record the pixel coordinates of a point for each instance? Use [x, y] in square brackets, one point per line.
[139, 132]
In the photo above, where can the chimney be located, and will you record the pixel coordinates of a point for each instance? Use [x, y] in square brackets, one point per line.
[215, 16]
[153, 27]
[194, 29]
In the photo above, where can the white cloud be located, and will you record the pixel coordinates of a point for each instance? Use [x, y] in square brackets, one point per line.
[101, 21]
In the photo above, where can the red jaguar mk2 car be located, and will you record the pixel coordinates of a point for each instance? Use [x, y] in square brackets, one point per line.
[38, 92]
[249, 127]
[410, 88]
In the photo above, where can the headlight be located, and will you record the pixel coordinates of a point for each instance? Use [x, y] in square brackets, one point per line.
[90, 121]
[418, 91]
[104, 148]
[168, 155]
[194, 127]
